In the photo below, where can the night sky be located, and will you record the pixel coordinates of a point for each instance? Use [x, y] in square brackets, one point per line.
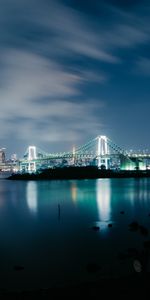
[74, 69]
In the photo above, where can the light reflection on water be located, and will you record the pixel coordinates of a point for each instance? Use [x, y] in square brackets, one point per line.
[103, 197]
[66, 244]
[31, 196]
[74, 191]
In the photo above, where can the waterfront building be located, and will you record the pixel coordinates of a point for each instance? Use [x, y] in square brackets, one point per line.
[2, 155]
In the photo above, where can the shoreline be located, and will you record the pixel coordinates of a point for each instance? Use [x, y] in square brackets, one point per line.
[88, 172]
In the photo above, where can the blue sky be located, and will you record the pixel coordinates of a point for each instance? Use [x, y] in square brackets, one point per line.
[71, 70]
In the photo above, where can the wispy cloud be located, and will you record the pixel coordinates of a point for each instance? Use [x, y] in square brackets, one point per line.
[44, 50]
[36, 104]
[143, 66]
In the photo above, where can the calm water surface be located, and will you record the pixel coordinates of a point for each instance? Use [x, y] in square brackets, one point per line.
[46, 227]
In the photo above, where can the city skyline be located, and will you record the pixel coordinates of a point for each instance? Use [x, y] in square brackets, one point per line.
[72, 70]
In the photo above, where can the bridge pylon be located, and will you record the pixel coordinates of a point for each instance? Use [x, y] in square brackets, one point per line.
[32, 155]
[102, 151]
[29, 163]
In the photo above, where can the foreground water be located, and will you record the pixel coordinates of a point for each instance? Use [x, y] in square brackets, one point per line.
[46, 228]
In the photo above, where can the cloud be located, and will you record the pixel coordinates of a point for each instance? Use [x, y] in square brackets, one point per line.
[73, 34]
[143, 66]
[36, 101]
[48, 53]
[126, 35]
[51, 28]
[28, 76]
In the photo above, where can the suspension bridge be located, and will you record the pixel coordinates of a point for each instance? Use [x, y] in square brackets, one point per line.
[100, 151]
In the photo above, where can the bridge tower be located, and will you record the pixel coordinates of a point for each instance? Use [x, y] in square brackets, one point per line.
[32, 155]
[102, 151]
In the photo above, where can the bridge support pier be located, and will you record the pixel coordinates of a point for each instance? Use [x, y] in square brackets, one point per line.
[103, 163]
[28, 167]
[31, 167]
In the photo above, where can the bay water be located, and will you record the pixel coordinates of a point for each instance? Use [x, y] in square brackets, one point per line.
[64, 232]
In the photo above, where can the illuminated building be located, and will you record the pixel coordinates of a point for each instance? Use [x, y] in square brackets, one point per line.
[2, 155]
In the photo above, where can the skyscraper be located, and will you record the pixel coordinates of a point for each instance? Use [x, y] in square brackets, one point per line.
[2, 155]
